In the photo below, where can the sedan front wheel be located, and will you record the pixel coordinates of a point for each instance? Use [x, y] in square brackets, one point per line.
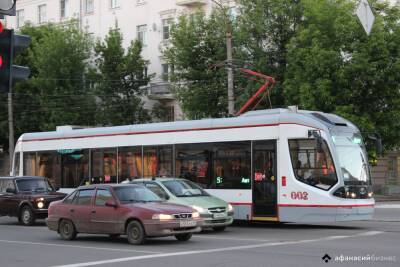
[135, 233]
[67, 230]
[183, 237]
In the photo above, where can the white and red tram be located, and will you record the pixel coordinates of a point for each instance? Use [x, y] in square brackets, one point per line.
[283, 165]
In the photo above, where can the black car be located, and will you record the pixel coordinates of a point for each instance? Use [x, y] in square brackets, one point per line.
[27, 198]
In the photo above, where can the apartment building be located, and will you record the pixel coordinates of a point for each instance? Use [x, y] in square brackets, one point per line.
[146, 20]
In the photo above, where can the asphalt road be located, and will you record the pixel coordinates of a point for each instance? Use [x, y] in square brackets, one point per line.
[375, 243]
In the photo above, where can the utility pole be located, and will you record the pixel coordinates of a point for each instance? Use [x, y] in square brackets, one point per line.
[231, 94]
[229, 59]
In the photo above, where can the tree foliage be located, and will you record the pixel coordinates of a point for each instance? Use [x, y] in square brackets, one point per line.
[56, 92]
[316, 49]
[198, 43]
[335, 67]
[263, 31]
[120, 76]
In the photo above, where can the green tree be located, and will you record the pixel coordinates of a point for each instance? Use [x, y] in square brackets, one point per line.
[333, 66]
[120, 77]
[198, 43]
[56, 92]
[263, 31]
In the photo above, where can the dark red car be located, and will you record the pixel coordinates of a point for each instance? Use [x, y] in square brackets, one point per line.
[118, 209]
[26, 197]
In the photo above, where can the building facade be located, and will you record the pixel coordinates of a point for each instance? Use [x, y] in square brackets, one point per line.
[149, 21]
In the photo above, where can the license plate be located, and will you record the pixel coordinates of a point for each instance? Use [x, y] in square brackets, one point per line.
[187, 223]
[219, 215]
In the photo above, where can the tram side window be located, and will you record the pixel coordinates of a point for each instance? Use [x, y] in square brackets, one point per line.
[193, 163]
[104, 166]
[157, 161]
[16, 164]
[30, 163]
[311, 165]
[74, 167]
[49, 166]
[231, 165]
[130, 163]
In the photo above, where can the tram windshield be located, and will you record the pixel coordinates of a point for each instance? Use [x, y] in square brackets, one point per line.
[353, 158]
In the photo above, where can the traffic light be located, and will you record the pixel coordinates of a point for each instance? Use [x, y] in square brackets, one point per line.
[10, 44]
[7, 7]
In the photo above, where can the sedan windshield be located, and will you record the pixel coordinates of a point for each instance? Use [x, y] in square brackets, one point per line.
[34, 185]
[132, 194]
[183, 188]
[353, 159]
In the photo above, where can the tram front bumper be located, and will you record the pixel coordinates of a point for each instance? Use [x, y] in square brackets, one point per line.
[326, 213]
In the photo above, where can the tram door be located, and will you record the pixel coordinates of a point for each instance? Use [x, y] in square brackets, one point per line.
[264, 180]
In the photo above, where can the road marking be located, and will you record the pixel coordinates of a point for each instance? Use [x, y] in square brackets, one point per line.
[74, 246]
[388, 206]
[231, 238]
[191, 252]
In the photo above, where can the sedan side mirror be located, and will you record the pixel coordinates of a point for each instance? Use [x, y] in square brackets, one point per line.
[11, 191]
[111, 203]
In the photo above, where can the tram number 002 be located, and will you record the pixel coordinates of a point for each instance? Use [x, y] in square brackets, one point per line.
[299, 195]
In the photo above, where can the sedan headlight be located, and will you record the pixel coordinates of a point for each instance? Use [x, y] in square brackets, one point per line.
[195, 215]
[230, 207]
[162, 217]
[199, 209]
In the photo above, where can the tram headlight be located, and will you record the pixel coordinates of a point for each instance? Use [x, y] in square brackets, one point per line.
[353, 195]
[370, 194]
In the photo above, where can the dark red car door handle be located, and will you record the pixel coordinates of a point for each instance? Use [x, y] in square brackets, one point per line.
[93, 211]
[71, 210]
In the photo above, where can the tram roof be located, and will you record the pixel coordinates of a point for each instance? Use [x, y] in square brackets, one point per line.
[314, 119]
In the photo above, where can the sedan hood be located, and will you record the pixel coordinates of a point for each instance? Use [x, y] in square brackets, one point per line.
[202, 201]
[162, 207]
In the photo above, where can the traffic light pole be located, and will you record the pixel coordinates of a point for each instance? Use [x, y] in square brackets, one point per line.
[10, 127]
[10, 105]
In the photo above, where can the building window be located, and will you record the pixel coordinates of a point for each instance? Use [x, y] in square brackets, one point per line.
[141, 34]
[170, 116]
[114, 3]
[166, 28]
[140, 2]
[20, 18]
[165, 72]
[89, 6]
[63, 8]
[42, 14]
[312, 163]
